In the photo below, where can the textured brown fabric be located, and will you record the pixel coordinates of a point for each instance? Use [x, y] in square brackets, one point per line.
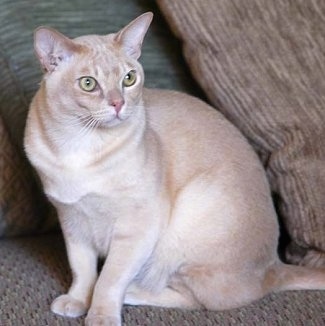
[18, 206]
[33, 271]
[262, 63]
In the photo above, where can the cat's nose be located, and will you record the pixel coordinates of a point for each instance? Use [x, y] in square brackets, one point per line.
[117, 104]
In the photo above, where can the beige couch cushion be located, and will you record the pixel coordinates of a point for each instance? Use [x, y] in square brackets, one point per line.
[262, 63]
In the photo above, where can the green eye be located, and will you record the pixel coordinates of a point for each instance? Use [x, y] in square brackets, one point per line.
[87, 84]
[130, 78]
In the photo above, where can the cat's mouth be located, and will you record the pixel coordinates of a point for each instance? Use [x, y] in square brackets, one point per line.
[105, 118]
[105, 123]
[109, 119]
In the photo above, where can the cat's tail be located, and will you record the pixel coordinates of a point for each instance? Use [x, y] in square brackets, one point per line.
[282, 277]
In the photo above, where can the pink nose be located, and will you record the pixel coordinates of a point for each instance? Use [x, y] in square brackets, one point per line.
[117, 104]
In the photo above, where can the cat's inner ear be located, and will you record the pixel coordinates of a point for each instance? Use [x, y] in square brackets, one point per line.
[52, 47]
[130, 38]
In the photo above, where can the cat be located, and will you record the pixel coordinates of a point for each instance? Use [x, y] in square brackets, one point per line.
[156, 182]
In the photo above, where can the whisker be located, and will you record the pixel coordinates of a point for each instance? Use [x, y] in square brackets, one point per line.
[86, 123]
[76, 121]
[88, 127]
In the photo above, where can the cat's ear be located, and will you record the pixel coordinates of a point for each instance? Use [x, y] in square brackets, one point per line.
[131, 36]
[52, 47]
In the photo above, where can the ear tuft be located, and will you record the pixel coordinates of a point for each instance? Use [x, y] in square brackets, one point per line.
[52, 47]
[131, 36]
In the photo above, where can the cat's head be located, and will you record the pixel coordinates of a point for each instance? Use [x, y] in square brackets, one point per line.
[95, 78]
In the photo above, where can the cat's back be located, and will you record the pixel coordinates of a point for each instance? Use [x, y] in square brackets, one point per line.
[178, 117]
[170, 105]
[194, 138]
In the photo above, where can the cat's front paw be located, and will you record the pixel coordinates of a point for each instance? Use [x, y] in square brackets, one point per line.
[100, 320]
[67, 306]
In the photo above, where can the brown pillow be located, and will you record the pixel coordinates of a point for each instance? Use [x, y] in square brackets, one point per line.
[262, 63]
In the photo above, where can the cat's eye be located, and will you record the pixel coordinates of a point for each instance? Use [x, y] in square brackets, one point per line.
[87, 84]
[130, 78]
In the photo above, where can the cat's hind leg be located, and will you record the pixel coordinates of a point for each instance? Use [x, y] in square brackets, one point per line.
[168, 297]
[216, 289]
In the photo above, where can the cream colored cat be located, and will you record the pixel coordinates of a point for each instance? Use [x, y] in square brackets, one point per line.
[157, 182]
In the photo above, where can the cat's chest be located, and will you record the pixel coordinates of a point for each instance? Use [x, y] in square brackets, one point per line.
[95, 166]
[75, 178]
[70, 185]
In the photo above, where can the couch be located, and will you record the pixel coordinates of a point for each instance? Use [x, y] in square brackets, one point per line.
[258, 62]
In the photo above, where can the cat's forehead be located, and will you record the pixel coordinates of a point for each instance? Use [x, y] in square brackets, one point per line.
[102, 58]
[97, 44]
[102, 53]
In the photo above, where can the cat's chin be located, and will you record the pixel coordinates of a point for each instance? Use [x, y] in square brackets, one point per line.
[110, 123]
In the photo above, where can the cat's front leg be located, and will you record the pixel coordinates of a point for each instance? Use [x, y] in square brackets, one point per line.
[131, 246]
[83, 263]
